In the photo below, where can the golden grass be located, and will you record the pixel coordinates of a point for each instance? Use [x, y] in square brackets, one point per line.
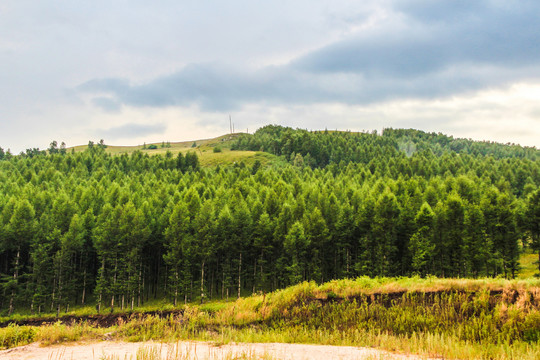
[175, 147]
[189, 352]
[204, 150]
[14, 335]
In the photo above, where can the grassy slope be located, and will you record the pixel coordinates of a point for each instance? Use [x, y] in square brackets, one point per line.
[452, 318]
[204, 149]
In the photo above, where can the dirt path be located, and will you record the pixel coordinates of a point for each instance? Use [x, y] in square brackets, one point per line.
[195, 350]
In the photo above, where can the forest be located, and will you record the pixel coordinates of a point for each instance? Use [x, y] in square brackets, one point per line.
[117, 230]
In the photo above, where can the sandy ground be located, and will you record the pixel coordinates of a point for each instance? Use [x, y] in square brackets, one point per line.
[195, 350]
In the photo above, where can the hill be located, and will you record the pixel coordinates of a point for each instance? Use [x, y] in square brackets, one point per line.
[204, 148]
[283, 206]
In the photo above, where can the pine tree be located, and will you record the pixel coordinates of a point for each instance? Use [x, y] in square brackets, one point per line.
[533, 221]
[384, 231]
[20, 232]
[178, 245]
[421, 243]
[296, 245]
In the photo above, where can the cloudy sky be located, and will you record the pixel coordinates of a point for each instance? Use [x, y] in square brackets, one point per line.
[138, 71]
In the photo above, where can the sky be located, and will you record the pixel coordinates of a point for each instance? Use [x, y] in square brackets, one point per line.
[137, 71]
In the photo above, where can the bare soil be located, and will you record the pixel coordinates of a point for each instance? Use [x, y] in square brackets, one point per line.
[101, 320]
[196, 350]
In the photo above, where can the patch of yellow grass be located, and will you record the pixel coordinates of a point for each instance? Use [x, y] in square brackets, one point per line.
[175, 147]
[528, 262]
[204, 150]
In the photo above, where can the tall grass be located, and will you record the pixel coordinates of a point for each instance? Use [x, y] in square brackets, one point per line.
[190, 352]
[14, 335]
[450, 318]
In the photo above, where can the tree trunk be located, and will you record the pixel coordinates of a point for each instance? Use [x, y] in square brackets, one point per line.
[84, 288]
[58, 303]
[222, 284]
[142, 299]
[261, 274]
[254, 276]
[15, 277]
[239, 275]
[348, 261]
[202, 282]
[53, 295]
[101, 287]
[175, 286]
[114, 284]
[212, 285]
[139, 286]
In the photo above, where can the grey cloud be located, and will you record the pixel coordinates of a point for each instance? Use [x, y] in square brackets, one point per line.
[109, 84]
[438, 35]
[450, 48]
[133, 130]
[107, 104]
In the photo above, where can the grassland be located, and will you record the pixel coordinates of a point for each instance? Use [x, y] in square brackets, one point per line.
[452, 318]
[204, 149]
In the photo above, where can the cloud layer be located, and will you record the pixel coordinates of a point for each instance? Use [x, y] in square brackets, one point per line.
[133, 130]
[174, 70]
[419, 50]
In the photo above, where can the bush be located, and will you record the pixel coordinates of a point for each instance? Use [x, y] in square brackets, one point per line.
[14, 335]
[217, 149]
[152, 146]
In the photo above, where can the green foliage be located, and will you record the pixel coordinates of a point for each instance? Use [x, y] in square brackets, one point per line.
[90, 227]
[14, 335]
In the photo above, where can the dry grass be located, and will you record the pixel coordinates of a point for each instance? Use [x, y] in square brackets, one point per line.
[190, 352]
[204, 151]
[454, 318]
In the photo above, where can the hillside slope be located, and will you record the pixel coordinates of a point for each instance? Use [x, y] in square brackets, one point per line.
[204, 148]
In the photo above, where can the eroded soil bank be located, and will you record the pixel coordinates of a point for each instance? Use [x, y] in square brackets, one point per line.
[98, 320]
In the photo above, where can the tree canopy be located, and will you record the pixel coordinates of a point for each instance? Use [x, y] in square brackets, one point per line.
[118, 230]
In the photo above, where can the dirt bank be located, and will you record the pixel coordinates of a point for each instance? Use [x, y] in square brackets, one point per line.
[103, 320]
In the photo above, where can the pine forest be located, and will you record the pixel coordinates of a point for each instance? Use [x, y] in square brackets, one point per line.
[117, 230]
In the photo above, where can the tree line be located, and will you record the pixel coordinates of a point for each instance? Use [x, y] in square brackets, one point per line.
[89, 227]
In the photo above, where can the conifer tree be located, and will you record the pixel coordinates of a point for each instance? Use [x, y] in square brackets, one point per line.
[421, 243]
[533, 221]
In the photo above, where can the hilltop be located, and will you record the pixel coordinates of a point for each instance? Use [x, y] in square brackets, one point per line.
[211, 152]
